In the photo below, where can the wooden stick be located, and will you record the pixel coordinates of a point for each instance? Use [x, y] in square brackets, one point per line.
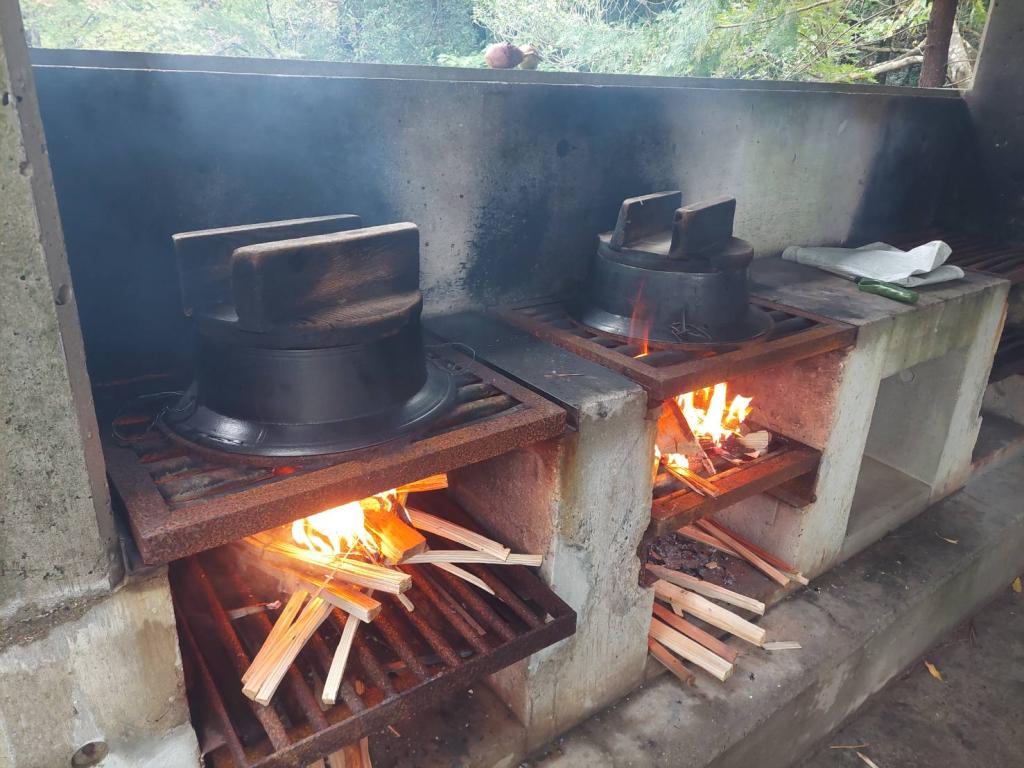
[356, 572]
[268, 654]
[406, 603]
[303, 630]
[337, 671]
[768, 557]
[692, 480]
[684, 426]
[694, 632]
[472, 556]
[281, 626]
[707, 589]
[768, 570]
[683, 646]
[361, 605]
[707, 611]
[787, 568]
[432, 483]
[454, 570]
[452, 532]
[397, 539]
[670, 662]
[692, 532]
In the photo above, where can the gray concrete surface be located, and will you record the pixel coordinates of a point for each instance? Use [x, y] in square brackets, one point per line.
[860, 624]
[971, 718]
[57, 541]
[584, 502]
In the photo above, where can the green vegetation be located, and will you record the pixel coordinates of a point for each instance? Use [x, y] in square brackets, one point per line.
[829, 40]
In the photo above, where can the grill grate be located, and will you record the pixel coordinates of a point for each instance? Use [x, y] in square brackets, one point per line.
[401, 662]
[1009, 360]
[181, 501]
[974, 252]
[668, 372]
[786, 471]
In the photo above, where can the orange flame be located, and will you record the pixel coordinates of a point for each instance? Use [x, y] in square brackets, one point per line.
[709, 417]
[640, 323]
[340, 530]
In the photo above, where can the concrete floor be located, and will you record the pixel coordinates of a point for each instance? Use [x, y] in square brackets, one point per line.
[972, 718]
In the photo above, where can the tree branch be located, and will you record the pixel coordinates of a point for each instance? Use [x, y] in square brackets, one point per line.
[893, 64]
[816, 4]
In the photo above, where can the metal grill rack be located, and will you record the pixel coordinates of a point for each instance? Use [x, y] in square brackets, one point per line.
[180, 501]
[400, 664]
[668, 372]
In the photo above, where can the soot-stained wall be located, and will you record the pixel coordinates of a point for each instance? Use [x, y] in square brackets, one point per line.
[508, 175]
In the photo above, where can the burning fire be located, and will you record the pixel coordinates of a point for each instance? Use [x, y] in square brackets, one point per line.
[340, 530]
[711, 417]
[706, 412]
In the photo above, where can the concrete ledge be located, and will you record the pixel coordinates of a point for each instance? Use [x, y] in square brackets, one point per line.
[860, 624]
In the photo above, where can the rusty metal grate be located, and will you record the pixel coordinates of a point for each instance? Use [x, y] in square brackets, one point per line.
[973, 252]
[401, 663]
[787, 471]
[180, 501]
[668, 372]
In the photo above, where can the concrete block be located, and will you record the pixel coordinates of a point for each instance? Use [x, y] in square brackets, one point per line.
[111, 674]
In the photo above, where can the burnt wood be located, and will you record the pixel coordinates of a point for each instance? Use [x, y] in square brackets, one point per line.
[204, 256]
[667, 370]
[181, 501]
[288, 281]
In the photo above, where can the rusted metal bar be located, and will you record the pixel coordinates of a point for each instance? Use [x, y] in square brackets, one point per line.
[210, 691]
[385, 624]
[433, 638]
[477, 604]
[426, 585]
[267, 717]
[371, 666]
[506, 595]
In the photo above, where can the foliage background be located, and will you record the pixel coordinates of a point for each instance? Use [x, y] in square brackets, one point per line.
[828, 40]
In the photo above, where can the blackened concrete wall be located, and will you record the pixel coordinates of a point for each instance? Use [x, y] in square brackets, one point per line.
[508, 175]
[996, 105]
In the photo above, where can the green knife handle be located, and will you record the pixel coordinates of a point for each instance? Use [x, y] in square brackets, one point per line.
[888, 290]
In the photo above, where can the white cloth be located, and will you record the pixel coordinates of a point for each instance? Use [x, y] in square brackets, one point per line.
[923, 265]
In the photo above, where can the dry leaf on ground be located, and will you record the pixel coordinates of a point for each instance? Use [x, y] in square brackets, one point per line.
[934, 671]
[1017, 585]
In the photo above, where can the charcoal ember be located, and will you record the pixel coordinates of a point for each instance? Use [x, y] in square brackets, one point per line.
[686, 556]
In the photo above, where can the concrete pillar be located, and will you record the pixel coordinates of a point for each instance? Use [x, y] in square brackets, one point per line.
[82, 659]
[584, 501]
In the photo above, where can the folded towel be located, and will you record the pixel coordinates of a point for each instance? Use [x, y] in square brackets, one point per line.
[923, 265]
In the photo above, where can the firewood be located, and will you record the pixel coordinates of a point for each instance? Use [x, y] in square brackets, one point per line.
[452, 532]
[397, 539]
[432, 483]
[695, 633]
[787, 568]
[693, 481]
[337, 670]
[248, 610]
[356, 572]
[697, 654]
[696, 534]
[281, 626]
[708, 612]
[265, 679]
[471, 556]
[352, 756]
[707, 589]
[670, 662]
[406, 602]
[361, 605]
[473, 579]
[674, 423]
[755, 560]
